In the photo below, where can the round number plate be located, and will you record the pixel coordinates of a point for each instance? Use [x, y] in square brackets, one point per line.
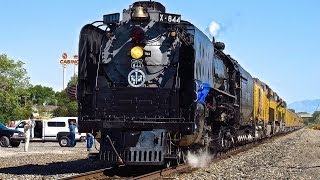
[136, 78]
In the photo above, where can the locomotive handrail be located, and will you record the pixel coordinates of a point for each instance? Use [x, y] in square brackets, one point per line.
[225, 93]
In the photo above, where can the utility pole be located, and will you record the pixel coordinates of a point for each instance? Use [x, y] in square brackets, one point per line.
[75, 57]
[63, 75]
[64, 65]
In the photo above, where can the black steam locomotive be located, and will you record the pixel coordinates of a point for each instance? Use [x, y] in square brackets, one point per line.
[153, 86]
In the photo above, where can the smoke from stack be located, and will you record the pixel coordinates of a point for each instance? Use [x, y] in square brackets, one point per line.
[214, 28]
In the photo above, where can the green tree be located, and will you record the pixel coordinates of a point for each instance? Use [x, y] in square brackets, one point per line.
[315, 117]
[73, 80]
[41, 94]
[13, 88]
[67, 106]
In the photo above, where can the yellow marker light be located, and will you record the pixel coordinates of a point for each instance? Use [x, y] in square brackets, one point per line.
[136, 52]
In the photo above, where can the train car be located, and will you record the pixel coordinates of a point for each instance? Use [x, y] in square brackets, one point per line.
[276, 114]
[292, 121]
[271, 113]
[152, 86]
[261, 108]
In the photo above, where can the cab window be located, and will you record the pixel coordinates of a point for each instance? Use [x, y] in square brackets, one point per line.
[56, 124]
[21, 125]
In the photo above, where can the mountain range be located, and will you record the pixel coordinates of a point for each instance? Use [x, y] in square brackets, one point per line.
[305, 106]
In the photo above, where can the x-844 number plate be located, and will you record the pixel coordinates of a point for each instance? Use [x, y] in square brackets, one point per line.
[169, 18]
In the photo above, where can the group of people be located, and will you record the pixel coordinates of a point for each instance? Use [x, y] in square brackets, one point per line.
[89, 138]
[29, 132]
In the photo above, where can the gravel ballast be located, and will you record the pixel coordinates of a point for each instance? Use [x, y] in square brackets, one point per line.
[45, 161]
[294, 156]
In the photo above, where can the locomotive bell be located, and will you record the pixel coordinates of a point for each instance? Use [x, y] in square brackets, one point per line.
[139, 13]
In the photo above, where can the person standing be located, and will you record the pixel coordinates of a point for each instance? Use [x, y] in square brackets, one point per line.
[72, 128]
[12, 124]
[32, 126]
[26, 135]
[90, 139]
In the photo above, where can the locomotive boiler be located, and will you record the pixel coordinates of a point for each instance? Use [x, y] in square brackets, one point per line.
[152, 86]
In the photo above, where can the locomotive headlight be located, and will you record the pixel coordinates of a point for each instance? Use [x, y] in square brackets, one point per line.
[136, 52]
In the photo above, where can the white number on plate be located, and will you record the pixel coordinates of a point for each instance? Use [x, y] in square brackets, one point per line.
[178, 20]
[174, 19]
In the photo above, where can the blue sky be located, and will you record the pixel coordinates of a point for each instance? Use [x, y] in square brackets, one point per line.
[276, 41]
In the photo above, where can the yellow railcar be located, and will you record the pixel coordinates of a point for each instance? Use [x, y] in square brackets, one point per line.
[292, 120]
[261, 103]
[276, 112]
[270, 111]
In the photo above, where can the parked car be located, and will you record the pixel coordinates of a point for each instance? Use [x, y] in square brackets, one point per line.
[55, 129]
[10, 137]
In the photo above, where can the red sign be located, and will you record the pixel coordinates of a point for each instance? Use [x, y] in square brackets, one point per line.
[69, 61]
[64, 56]
[65, 60]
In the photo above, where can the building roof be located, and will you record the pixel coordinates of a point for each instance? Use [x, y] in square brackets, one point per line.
[305, 115]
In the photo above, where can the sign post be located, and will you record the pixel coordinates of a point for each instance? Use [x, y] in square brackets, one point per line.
[75, 65]
[64, 61]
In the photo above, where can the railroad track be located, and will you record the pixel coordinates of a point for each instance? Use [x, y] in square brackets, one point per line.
[97, 174]
[115, 173]
[121, 172]
[185, 168]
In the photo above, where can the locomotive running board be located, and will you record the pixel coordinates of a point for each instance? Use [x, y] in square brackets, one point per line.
[181, 126]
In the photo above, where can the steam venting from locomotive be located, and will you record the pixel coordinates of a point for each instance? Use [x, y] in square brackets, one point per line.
[199, 159]
[214, 28]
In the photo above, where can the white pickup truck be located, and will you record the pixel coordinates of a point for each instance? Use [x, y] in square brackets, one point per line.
[55, 129]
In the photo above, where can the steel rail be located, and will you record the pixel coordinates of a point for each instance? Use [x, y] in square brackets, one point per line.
[97, 174]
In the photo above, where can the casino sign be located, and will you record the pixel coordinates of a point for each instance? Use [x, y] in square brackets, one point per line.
[65, 60]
